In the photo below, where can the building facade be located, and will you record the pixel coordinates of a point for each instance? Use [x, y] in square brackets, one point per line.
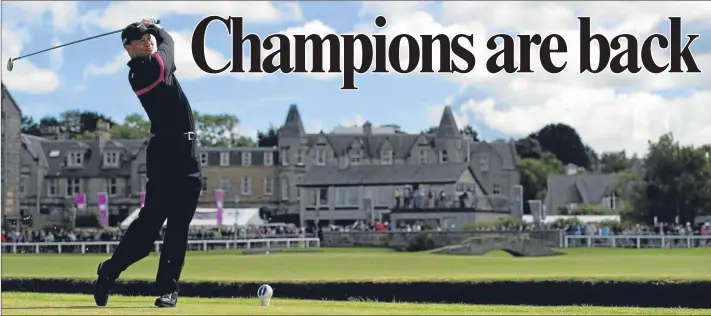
[53, 168]
[493, 164]
[11, 148]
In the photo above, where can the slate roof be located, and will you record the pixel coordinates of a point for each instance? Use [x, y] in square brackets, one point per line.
[383, 175]
[579, 188]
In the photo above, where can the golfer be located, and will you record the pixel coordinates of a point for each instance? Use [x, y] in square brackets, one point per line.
[174, 174]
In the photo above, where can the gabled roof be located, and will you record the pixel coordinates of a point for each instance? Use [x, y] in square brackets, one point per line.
[383, 175]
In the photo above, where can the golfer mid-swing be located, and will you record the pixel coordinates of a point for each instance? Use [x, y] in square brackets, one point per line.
[174, 174]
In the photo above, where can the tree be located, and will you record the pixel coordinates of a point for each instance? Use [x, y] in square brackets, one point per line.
[528, 147]
[674, 184]
[219, 130]
[565, 143]
[77, 122]
[469, 131]
[430, 130]
[534, 176]
[268, 139]
[29, 126]
[134, 127]
[614, 162]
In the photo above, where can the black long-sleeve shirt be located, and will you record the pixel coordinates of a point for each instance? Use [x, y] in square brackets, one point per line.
[153, 80]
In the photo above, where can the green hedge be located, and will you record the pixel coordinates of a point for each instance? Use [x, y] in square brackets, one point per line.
[541, 293]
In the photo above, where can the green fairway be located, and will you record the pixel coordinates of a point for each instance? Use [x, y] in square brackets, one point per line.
[380, 265]
[64, 304]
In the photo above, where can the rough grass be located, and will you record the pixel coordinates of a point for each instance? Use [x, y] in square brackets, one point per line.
[65, 304]
[353, 264]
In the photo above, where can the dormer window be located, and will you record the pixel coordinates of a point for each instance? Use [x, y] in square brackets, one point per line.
[111, 159]
[484, 163]
[321, 156]
[356, 155]
[75, 159]
[225, 159]
[386, 157]
[246, 159]
[443, 158]
[300, 157]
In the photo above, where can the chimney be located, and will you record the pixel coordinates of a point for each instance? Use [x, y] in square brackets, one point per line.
[367, 128]
[102, 133]
[571, 169]
[53, 132]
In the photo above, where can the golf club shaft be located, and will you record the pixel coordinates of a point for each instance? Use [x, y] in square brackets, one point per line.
[74, 42]
[67, 44]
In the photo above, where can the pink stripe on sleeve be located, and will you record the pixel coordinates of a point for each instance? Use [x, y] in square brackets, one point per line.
[161, 76]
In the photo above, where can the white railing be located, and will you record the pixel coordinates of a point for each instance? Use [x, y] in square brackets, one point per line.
[201, 245]
[637, 241]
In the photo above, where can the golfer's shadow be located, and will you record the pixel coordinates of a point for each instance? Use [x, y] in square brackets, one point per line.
[78, 307]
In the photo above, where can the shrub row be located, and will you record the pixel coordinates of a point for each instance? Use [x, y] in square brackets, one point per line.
[541, 293]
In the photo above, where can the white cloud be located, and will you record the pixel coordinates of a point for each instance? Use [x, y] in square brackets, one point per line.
[119, 14]
[64, 14]
[186, 69]
[56, 59]
[25, 76]
[610, 111]
[356, 120]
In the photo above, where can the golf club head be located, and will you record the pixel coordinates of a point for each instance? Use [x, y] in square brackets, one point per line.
[10, 64]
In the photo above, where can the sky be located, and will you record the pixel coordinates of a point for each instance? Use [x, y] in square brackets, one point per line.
[611, 112]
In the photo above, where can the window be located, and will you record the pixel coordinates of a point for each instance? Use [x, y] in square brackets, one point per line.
[246, 159]
[423, 156]
[284, 189]
[300, 157]
[246, 186]
[73, 186]
[268, 158]
[75, 159]
[51, 187]
[284, 156]
[203, 159]
[443, 156]
[268, 186]
[496, 190]
[484, 163]
[224, 159]
[386, 157]
[111, 159]
[112, 186]
[347, 197]
[23, 184]
[225, 184]
[355, 156]
[204, 185]
[321, 156]
[323, 196]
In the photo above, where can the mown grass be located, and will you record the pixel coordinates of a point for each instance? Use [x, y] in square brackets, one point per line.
[349, 264]
[67, 304]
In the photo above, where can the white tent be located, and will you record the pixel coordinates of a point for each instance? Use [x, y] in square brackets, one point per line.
[582, 218]
[207, 217]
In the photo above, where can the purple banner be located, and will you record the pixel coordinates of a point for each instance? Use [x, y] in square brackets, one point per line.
[218, 200]
[143, 199]
[80, 199]
[103, 202]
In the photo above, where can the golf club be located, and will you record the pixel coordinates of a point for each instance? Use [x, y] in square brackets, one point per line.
[11, 61]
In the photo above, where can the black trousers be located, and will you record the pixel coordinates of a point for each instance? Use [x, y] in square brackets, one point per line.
[172, 197]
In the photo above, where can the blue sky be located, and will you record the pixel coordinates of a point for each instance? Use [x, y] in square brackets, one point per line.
[601, 107]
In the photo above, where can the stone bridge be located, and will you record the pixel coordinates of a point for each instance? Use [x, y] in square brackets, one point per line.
[516, 245]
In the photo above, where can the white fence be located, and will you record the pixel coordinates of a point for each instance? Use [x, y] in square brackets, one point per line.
[200, 245]
[633, 241]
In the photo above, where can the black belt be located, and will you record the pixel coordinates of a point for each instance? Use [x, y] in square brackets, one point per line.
[186, 135]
